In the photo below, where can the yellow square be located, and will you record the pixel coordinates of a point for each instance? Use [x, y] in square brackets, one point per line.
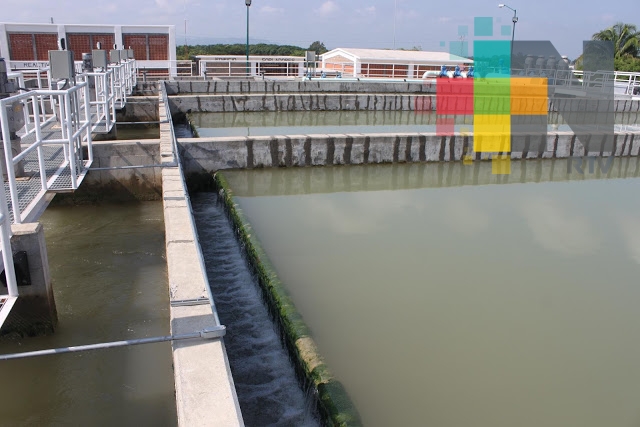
[529, 96]
[501, 165]
[492, 133]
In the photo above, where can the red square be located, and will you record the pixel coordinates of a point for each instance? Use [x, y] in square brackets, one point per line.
[454, 96]
[445, 126]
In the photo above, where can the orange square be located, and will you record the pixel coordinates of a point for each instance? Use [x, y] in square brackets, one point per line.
[529, 96]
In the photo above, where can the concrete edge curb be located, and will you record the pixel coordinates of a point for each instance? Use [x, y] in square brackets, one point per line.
[334, 404]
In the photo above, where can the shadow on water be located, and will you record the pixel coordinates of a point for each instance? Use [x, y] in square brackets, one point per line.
[265, 380]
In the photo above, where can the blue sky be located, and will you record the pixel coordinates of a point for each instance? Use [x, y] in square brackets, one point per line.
[341, 23]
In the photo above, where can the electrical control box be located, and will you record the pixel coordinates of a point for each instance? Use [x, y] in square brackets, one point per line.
[114, 56]
[123, 54]
[99, 57]
[15, 115]
[130, 54]
[61, 63]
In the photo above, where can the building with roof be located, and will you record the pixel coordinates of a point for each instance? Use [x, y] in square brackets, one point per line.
[388, 63]
[27, 46]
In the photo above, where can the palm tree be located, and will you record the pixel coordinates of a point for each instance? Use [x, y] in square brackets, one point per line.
[625, 38]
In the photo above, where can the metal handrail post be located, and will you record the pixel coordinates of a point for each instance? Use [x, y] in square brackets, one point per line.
[88, 119]
[72, 160]
[7, 254]
[41, 164]
[8, 157]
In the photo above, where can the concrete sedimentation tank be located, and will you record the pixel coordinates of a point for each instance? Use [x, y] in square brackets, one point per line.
[168, 168]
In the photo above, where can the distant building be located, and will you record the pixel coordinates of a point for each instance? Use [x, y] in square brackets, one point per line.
[237, 65]
[388, 63]
[26, 46]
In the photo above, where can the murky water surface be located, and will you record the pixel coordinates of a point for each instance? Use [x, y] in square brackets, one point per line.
[109, 272]
[478, 305]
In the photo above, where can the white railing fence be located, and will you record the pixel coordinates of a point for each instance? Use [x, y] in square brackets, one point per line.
[6, 300]
[70, 127]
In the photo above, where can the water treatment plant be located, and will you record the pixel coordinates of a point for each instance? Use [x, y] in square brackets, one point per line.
[363, 238]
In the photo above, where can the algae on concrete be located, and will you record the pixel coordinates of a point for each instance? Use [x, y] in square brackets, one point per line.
[334, 404]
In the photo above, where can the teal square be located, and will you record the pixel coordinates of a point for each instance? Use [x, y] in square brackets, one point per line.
[505, 30]
[442, 44]
[483, 26]
[492, 58]
[459, 48]
[463, 30]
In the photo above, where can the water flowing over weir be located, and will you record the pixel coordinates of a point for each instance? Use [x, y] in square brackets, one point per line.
[267, 387]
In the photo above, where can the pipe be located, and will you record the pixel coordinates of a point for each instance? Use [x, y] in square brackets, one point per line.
[112, 168]
[206, 334]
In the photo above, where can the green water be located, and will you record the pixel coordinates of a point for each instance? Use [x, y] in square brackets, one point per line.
[478, 305]
[109, 275]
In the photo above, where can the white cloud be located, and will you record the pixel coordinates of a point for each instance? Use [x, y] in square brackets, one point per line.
[444, 19]
[327, 8]
[270, 9]
[371, 10]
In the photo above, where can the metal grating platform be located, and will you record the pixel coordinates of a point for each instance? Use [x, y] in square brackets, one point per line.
[58, 175]
[51, 130]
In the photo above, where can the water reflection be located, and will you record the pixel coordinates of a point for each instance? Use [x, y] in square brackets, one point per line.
[556, 227]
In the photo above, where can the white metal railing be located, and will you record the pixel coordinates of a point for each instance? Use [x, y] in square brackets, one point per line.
[6, 300]
[125, 79]
[102, 98]
[46, 103]
[236, 66]
[73, 113]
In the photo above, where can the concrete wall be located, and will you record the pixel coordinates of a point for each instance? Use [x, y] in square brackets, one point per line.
[113, 175]
[212, 154]
[139, 109]
[205, 392]
[279, 87]
[34, 312]
[371, 101]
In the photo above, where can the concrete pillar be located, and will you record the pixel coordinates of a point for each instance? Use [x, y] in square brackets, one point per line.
[34, 312]
[4, 45]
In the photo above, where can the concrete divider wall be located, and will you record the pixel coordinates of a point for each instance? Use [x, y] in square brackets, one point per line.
[279, 87]
[213, 154]
[109, 183]
[205, 391]
[376, 101]
[334, 404]
[139, 109]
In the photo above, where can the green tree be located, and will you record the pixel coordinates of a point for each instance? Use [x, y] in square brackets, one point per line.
[625, 38]
[318, 47]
